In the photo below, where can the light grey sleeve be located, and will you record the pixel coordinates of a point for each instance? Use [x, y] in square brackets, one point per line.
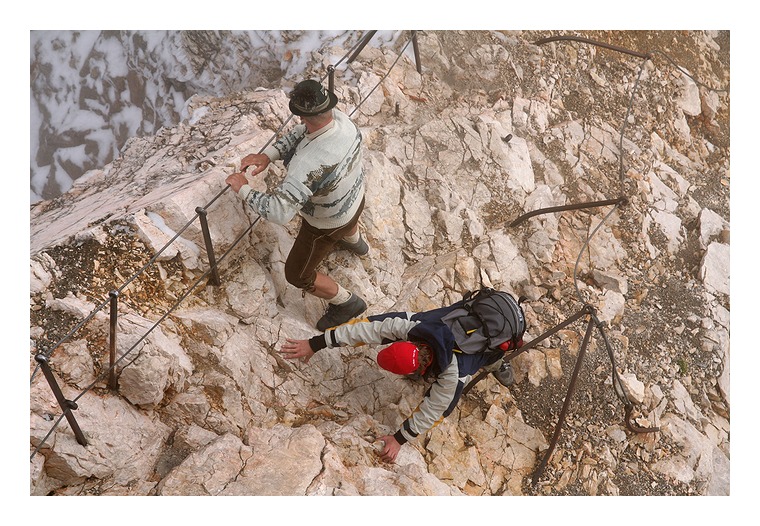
[439, 398]
[364, 331]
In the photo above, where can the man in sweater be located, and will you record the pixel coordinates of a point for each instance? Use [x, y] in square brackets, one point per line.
[424, 345]
[324, 185]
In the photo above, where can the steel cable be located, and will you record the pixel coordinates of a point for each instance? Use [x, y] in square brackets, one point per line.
[618, 386]
[411, 39]
[169, 311]
[44, 439]
[150, 330]
[119, 290]
[136, 274]
[195, 284]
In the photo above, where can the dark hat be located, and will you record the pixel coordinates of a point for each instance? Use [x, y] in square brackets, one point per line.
[399, 358]
[310, 98]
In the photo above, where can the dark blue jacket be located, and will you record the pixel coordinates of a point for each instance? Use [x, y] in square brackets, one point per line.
[451, 368]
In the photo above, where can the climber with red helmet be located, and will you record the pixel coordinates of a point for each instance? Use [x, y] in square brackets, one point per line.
[424, 345]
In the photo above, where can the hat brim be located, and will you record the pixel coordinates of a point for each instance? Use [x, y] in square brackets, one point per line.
[300, 113]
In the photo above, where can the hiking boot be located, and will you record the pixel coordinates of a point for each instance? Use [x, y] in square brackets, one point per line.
[505, 375]
[360, 248]
[338, 314]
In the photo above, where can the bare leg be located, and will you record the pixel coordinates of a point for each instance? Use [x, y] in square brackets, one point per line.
[325, 287]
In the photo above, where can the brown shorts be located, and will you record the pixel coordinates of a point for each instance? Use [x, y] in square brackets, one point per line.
[311, 246]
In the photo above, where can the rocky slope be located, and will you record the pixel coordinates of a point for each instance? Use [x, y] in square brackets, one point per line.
[205, 405]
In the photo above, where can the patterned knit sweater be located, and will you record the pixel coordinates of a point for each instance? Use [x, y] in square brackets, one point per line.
[325, 181]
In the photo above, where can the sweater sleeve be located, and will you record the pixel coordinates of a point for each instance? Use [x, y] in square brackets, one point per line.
[281, 205]
[370, 331]
[373, 330]
[284, 202]
[440, 397]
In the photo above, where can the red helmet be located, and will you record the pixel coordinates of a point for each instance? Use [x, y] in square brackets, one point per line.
[400, 358]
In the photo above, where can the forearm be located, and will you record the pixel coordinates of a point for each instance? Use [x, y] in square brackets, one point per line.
[281, 205]
[430, 412]
[371, 331]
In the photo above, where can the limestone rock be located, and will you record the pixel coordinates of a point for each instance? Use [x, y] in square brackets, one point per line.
[123, 443]
[207, 405]
[715, 269]
[711, 225]
[155, 363]
[690, 101]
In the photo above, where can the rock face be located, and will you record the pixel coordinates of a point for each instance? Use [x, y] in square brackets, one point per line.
[143, 79]
[495, 126]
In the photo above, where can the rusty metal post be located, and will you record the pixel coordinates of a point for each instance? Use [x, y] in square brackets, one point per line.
[66, 405]
[527, 346]
[214, 279]
[566, 404]
[591, 204]
[114, 315]
[587, 309]
[364, 41]
[416, 49]
[331, 78]
[595, 43]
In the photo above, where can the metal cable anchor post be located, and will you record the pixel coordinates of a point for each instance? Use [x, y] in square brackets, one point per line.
[209, 246]
[113, 319]
[66, 405]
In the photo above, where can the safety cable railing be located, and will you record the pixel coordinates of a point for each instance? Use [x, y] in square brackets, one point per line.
[586, 309]
[43, 358]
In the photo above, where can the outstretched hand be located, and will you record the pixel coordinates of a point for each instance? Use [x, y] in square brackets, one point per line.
[390, 449]
[297, 350]
[258, 160]
[236, 181]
